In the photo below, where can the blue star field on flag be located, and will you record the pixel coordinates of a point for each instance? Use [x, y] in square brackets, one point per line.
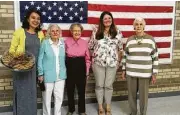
[57, 11]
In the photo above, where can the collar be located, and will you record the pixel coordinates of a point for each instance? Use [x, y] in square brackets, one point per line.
[51, 42]
[76, 40]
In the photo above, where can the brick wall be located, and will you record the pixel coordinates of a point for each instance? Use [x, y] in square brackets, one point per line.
[6, 30]
[168, 79]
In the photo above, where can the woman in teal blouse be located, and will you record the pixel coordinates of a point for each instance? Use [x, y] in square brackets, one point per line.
[52, 70]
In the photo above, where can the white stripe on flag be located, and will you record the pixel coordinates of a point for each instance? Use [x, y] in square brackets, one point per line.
[132, 15]
[134, 3]
[164, 50]
[120, 27]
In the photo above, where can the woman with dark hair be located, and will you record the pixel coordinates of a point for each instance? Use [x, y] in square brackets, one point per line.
[26, 24]
[26, 39]
[106, 45]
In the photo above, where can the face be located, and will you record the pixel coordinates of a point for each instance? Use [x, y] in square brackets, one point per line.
[107, 20]
[76, 32]
[55, 32]
[34, 20]
[139, 27]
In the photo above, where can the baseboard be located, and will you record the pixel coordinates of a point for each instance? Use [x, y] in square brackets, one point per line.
[93, 100]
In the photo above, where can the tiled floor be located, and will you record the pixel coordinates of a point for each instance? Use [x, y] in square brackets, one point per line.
[156, 106]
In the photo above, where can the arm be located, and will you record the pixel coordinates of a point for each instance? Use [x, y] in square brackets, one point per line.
[41, 35]
[124, 65]
[154, 56]
[92, 40]
[125, 54]
[120, 46]
[40, 60]
[14, 44]
[88, 62]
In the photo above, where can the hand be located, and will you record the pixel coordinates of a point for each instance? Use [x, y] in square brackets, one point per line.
[87, 77]
[95, 28]
[18, 54]
[123, 75]
[153, 79]
[40, 78]
[119, 64]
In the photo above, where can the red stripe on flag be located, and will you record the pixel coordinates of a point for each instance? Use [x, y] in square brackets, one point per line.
[152, 33]
[122, 21]
[160, 33]
[167, 55]
[128, 8]
[163, 44]
[87, 33]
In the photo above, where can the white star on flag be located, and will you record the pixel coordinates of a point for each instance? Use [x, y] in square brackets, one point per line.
[43, 3]
[49, 17]
[32, 3]
[60, 18]
[54, 4]
[65, 13]
[26, 7]
[71, 18]
[38, 8]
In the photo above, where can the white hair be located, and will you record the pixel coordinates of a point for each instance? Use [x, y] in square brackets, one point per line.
[49, 29]
[139, 19]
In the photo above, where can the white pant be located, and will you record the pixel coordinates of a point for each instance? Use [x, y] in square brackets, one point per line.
[58, 90]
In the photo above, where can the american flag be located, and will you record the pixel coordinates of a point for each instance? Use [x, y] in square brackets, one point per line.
[159, 17]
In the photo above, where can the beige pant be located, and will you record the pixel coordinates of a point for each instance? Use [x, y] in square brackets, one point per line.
[104, 78]
[135, 84]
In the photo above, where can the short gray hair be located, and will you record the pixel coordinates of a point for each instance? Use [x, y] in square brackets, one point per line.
[139, 19]
[49, 29]
[76, 24]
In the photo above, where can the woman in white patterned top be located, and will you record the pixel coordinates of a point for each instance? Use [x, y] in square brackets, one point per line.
[106, 46]
[140, 64]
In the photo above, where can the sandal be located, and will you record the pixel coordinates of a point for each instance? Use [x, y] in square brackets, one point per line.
[108, 111]
[100, 112]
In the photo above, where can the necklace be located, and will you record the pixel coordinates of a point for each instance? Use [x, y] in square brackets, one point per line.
[139, 39]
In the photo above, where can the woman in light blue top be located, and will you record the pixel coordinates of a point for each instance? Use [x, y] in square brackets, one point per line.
[52, 70]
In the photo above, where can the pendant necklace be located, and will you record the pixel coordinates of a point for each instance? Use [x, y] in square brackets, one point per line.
[139, 39]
